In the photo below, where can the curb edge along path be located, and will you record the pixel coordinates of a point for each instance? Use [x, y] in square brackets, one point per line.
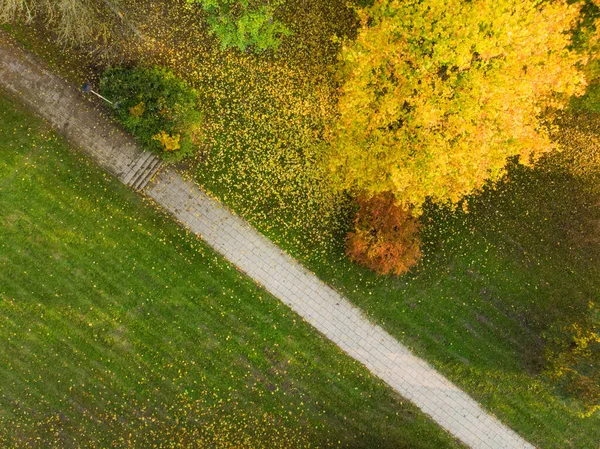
[320, 305]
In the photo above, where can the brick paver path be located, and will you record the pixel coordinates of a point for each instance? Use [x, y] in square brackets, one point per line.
[320, 305]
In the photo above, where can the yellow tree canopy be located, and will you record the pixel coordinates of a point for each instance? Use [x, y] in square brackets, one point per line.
[438, 93]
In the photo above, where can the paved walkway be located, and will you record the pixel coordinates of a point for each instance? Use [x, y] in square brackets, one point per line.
[320, 305]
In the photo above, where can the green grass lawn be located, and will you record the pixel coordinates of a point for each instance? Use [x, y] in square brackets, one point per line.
[119, 329]
[492, 282]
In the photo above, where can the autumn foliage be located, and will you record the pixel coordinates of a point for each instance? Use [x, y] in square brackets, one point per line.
[437, 94]
[385, 236]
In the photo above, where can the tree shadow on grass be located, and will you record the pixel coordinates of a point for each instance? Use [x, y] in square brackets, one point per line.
[542, 265]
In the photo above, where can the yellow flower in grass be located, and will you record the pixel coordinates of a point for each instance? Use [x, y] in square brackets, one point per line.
[168, 141]
[138, 109]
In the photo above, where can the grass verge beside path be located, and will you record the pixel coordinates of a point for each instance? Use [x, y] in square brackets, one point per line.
[491, 284]
[118, 328]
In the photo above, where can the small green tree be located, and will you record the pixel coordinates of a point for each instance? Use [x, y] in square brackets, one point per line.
[244, 23]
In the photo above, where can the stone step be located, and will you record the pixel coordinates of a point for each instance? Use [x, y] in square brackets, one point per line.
[138, 164]
[145, 177]
[141, 171]
[153, 172]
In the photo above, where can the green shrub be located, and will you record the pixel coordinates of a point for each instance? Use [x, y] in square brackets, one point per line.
[244, 23]
[157, 107]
